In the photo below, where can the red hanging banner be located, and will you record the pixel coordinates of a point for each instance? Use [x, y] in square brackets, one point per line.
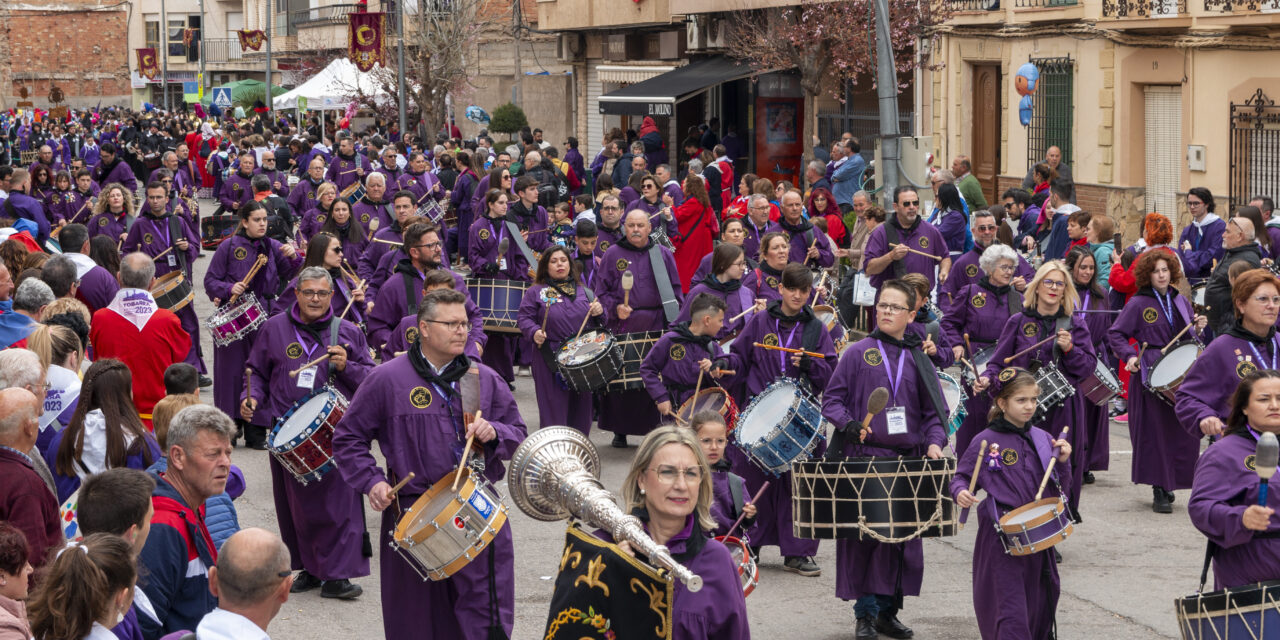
[251, 39]
[366, 39]
[148, 63]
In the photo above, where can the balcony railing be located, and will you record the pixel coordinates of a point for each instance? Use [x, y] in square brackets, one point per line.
[1044, 4]
[331, 14]
[973, 5]
[222, 51]
[1249, 6]
[1144, 8]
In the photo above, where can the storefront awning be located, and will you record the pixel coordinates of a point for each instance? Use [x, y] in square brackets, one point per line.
[658, 96]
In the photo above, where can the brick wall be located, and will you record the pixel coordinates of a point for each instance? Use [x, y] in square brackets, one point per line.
[78, 45]
[1121, 204]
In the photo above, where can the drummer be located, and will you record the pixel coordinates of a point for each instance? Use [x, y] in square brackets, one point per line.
[1250, 344]
[320, 211]
[1244, 536]
[341, 225]
[876, 576]
[973, 321]
[730, 281]
[926, 324]
[1013, 596]
[729, 491]
[388, 238]
[1094, 311]
[967, 268]
[609, 229]
[669, 487]
[485, 240]
[304, 196]
[322, 522]
[732, 231]
[774, 249]
[347, 167]
[804, 244]
[325, 251]
[412, 407]
[553, 311]
[405, 333]
[373, 211]
[585, 237]
[687, 357]
[419, 181]
[231, 262]
[788, 322]
[1047, 315]
[159, 231]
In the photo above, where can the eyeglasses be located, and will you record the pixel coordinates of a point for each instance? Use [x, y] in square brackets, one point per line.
[987, 227]
[611, 208]
[1054, 284]
[911, 203]
[891, 309]
[337, 249]
[647, 187]
[314, 294]
[1194, 203]
[456, 327]
[1267, 300]
[428, 245]
[668, 474]
[1006, 268]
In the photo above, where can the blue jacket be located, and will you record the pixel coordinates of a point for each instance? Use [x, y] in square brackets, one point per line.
[847, 179]
[175, 564]
[220, 512]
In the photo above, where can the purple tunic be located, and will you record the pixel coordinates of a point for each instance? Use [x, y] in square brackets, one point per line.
[366, 211]
[979, 311]
[109, 224]
[1013, 596]
[341, 296]
[557, 404]
[965, 271]
[28, 208]
[75, 206]
[922, 237]
[735, 298]
[97, 286]
[1206, 390]
[151, 236]
[485, 239]
[401, 338]
[653, 208]
[801, 236]
[279, 181]
[751, 244]
[869, 567]
[311, 221]
[670, 370]
[1225, 485]
[531, 220]
[342, 170]
[392, 305]
[606, 237]
[419, 429]
[383, 270]
[1206, 248]
[392, 174]
[303, 197]
[118, 172]
[322, 522]
[420, 184]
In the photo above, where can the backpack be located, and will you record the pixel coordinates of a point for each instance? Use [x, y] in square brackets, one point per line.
[205, 149]
[549, 187]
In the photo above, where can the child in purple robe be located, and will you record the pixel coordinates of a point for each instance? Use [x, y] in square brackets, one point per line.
[1013, 596]
[728, 490]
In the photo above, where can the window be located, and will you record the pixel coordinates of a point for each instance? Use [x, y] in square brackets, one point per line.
[153, 32]
[177, 24]
[1051, 108]
[1255, 149]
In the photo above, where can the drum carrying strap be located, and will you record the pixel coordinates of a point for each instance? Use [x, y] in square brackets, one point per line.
[410, 294]
[929, 377]
[891, 234]
[737, 489]
[176, 233]
[548, 356]
[334, 324]
[520, 243]
[670, 307]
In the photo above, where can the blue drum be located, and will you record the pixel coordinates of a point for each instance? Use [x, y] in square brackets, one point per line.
[1247, 611]
[781, 425]
[499, 300]
[955, 397]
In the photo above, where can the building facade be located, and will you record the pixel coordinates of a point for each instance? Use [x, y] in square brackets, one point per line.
[69, 44]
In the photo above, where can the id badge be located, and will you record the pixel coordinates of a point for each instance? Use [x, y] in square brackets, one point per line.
[502, 264]
[173, 260]
[896, 419]
[307, 378]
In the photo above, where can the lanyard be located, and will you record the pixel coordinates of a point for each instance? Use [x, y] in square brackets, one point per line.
[303, 343]
[498, 232]
[1084, 305]
[782, 355]
[893, 382]
[1166, 303]
[1275, 358]
[162, 228]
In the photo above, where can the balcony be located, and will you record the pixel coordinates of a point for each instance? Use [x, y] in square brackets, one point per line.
[1245, 13]
[223, 51]
[974, 5]
[1048, 10]
[1139, 14]
[318, 16]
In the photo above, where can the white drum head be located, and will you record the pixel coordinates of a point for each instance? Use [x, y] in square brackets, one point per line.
[951, 391]
[767, 411]
[1173, 365]
[298, 422]
[585, 347]
[1030, 514]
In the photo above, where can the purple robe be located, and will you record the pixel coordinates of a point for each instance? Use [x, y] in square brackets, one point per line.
[672, 188]
[391, 306]
[801, 236]
[420, 185]
[383, 270]
[461, 199]
[478, 208]
[230, 264]
[237, 189]
[1206, 248]
[966, 271]
[76, 206]
[866, 567]
[531, 220]
[1013, 596]
[484, 241]
[1164, 454]
[724, 510]
[1206, 390]
[392, 175]
[670, 370]
[338, 303]
[151, 236]
[302, 198]
[97, 286]
[606, 237]
[401, 338]
[342, 170]
[321, 522]
[980, 312]
[109, 224]
[632, 412]
[419, 429]
[28, 208]
[922, 237]
[1225, 485]
[735, 298]
[279, 181]
[366, 211]
[557, 404]
[653, 209]
[311, 222]
[751, 243]
[118, 172]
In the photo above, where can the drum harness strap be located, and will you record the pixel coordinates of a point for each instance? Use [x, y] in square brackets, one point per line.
[670, 307]
[523, 246]
[176, 232]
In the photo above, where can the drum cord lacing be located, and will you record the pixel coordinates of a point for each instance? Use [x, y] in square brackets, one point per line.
[934, 520]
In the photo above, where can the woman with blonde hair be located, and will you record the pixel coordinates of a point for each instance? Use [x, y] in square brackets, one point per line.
[60, 354]
[113, 214]
[1047, 335]
[315, 217]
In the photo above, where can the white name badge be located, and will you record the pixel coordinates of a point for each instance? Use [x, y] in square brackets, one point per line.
[307, 378]
[173, 260]
[502, 264]
[896, 419]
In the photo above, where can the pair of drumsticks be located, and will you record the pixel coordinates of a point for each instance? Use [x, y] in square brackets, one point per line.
[982, 455]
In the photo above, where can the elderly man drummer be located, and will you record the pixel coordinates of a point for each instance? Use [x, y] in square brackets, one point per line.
[413, 407]
[322, 521]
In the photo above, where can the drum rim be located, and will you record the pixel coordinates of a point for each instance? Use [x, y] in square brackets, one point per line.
[1054, 513]
[792, 406]
[1165, 356]
[326, 408]
[1222, 595]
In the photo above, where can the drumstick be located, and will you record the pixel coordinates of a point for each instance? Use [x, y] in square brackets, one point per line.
[875, 404]
[161, 254]
[352, 300]
[466, 451]
[248, 277]
[696, 388]
[1175, 338]
[921, 253]
[546, 315]
[754, 499]
[744, 312]
[400, 485]
[1141, 350]
[971, 367]
[968, 348]
[391, 242]
[628, 281]
[802, 352]
[1030, 349]
[119, 244]
[77, 213]
[1049, 469]
[295, 372]
[343, 173]
[583, 326]
[973, 480]
[248, 384]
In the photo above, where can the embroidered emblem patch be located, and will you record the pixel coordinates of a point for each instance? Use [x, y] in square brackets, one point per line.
[604, 245]
[979, 301]
[772, 282]
[1030, 329]
[320, 218]
[872, 357]
[1149, 315]
[1251, 462]
[240, 253]
[677, 352]
[924, 242]
[1007, 375]
[484, 234]
[1009, 457]
[102, 222]
[971, 270]
[294, 351]
[622, 264]
[235, 186]
[311, 195]
[147, 238]
[410, 335]
[1245, 368]
[364, 219]
[420, 397]
[770, 339]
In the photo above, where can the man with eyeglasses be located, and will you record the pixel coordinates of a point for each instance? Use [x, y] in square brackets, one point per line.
[1201, 241]
[251, 582]
[756, 223]
[279, 179]
[322, 522]
[917, 246]
[1238, 246]
[412, 406]
[389, 166]
[967, 269]
[385, 240]
[609, 229]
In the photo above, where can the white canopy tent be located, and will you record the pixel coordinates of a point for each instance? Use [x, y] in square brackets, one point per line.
[332, 88]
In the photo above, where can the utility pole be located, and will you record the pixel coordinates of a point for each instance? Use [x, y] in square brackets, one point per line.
[404, 118]
[887, 92]
[200, 86]
[270, 18]
[515, 37]
[164, 44]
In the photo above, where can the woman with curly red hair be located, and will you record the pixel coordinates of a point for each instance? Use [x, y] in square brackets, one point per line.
[822, 203]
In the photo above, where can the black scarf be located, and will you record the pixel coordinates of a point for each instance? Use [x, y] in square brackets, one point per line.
[1001, 425]
[683, 334]
[985, 283]
[371, 203]
[770, 271]
[524, 217]
[714, 284]
[246, 177]
[1034, 314]
[617, 231]
[775, 311]
[1150, 292]
[262, 245]
[348, 158]
[452, 373]
[625, 243]
[106, 169]
[697, 537]
[315, 329]
[893, 220]
[1237, 329]
[909, 340]
[804, 226]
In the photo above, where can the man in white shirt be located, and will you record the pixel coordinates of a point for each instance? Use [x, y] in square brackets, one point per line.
[251, 581]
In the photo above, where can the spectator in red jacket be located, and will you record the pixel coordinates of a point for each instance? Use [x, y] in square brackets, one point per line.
[698, 225]
[822, 203]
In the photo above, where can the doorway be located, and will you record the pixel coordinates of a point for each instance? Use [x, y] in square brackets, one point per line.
[984, 138]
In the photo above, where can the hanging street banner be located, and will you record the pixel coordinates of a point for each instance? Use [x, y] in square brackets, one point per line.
[148, 63]
[366, 39]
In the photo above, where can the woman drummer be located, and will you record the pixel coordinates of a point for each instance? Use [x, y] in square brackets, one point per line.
[775, 250]
[730, 281]
[326, 195]
[1013, 596]
[1047, 334]
[732, 231]
[925, 323]
[552, 312]
[1151, 318]
[669, 488]
[1093, 312]
[326, 252]
[1224, 497]
[230, 265]
[1249, 345]
[341, 225]
[486, 260]
[877, 575]
[973, 321]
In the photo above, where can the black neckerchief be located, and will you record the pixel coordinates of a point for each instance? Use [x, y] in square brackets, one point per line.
[371, 203]
[1034, 314]
[153, 217]
[337, 275]
[626, 244]
[775, 311]
[1001, 425]
[923, 315]
[893, 220]
[85, 194]
[1237, 329]
[804, 225]
[909, 340]
[350, 158]
[985, 283]
[410, 270]
[257, 244]
[106, 170]
[697, 538]
[415, 175]
[617, 231]
[713, 283]
[1150, 292]
[241, 175]
[315, 329]
[524, 216]
[722, 464]
[452, 373]
[683, 334]
[566, 287]
[770, 271]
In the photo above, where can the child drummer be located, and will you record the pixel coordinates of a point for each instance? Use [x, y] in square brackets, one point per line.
[687, 358]
[729, 498]
[1013, 596]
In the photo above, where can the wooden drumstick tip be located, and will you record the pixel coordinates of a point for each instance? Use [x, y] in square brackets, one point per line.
[466, 451]
[304, 367]
[400, 485]
[875, 404]
[973, 479]
[1049, 468]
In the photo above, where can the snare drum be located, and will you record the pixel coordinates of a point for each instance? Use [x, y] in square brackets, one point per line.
[444, 530]
[1246, 611]
[981, 358]
[302, 440]
[353, 193]
[432, 210]
[216, 228]
[635, 346]
[955, 396]
[499, 300]
[1101, 386]
[589, 361]
[231, 323]
[172, 291]
[659, 235]
[1054, 389]
[782, 424]
[893, 497]
[748, 572]
[831, 320]
[713, 399]
[1168, 372]
[1035, 527]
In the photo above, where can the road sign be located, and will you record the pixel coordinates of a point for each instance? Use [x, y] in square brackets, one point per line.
[222, 97]
[302, 103]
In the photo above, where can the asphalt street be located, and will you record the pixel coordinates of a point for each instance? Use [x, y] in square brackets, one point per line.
[1122, 569]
